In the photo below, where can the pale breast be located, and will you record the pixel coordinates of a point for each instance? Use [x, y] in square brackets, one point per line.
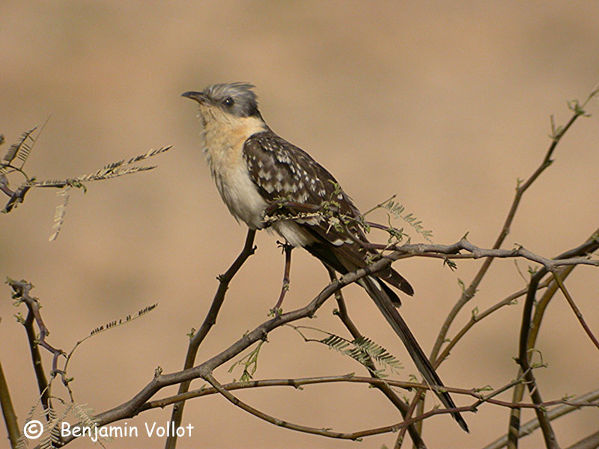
[241, 196]
[223, 146]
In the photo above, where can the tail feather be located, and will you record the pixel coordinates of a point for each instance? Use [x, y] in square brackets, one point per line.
[379, 292]
[395, 279]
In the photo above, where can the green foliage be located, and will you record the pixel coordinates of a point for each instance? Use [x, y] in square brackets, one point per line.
[249, 364]
[52, 419]
[363, 350]
[18, 153]
[398, 210]
[109, 171]
[20, 150]
[127, 319]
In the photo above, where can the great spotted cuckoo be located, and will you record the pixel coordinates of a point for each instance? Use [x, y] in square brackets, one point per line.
[260, 175]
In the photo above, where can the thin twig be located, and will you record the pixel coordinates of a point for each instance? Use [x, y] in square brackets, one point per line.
[521, 189]
[563, 405]
[209, 321]
[271, 419]
[21, 292]
[469, 292]
[287, 248]
[133, 406]
[8, 412]
[523, 359]
[343, 315]
[518, 392]
[588, 442]
[529, 427]
[576, 310]
[452, 252]
[477, 318]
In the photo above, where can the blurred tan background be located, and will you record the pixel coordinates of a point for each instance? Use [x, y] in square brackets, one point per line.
[445, 103]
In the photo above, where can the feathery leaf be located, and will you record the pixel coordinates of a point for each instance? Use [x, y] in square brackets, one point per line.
[21, 149]
[60, 213]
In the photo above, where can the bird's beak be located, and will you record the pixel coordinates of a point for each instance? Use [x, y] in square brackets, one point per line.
[200, 97]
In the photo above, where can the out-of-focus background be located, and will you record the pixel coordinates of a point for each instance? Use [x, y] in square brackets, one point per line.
[445, 103]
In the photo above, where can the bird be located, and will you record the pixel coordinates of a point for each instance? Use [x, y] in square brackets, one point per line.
[257, 172]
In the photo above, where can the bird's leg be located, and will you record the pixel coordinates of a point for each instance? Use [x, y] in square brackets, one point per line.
[287, 248]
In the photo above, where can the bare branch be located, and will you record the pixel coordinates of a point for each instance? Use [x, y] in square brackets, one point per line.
[523, 359]
[572, 405]
[384, 387]
[197, 339]
[589, 442]
[576, 310]
[271, 419]
[133, 406]
[8, 412]
[521, 189]
[287, 248]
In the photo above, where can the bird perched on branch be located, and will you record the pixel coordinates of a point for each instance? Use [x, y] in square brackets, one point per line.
[266, 181]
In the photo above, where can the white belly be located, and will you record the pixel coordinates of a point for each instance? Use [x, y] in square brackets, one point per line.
[241, 196]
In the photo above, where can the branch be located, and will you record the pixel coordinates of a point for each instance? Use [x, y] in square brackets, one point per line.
[589, 442]
[533, 424]
[271, 419]
[470, 291]
[541, 307]
[452, 251]
[287, 248]
[209, 321]
[17, 197]
[21, 292]
[8, 412]
[477, 318]
[562, 406]
[134, 405]
[383, 387]
[576, 310]
[109, 171]
[523, 360]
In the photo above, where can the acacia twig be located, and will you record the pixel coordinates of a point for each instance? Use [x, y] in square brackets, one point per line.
[287, 249]
[209, 321]
[523, 358]
[576, 310]
[271, 419]
[133, 406]
[562, 405]
[21, 292]
[8, 412]
[478, 317]
[469, 292]
[588, 442]
[521, 189]
[345, 435]
[518, 392]
[400, 404]
[530, 426]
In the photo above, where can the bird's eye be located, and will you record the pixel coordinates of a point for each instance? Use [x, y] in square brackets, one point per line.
[228, 101]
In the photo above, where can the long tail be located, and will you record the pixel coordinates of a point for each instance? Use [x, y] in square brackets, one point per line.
[383, 297]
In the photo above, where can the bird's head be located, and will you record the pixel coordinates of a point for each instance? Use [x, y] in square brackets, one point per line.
[226, 102]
